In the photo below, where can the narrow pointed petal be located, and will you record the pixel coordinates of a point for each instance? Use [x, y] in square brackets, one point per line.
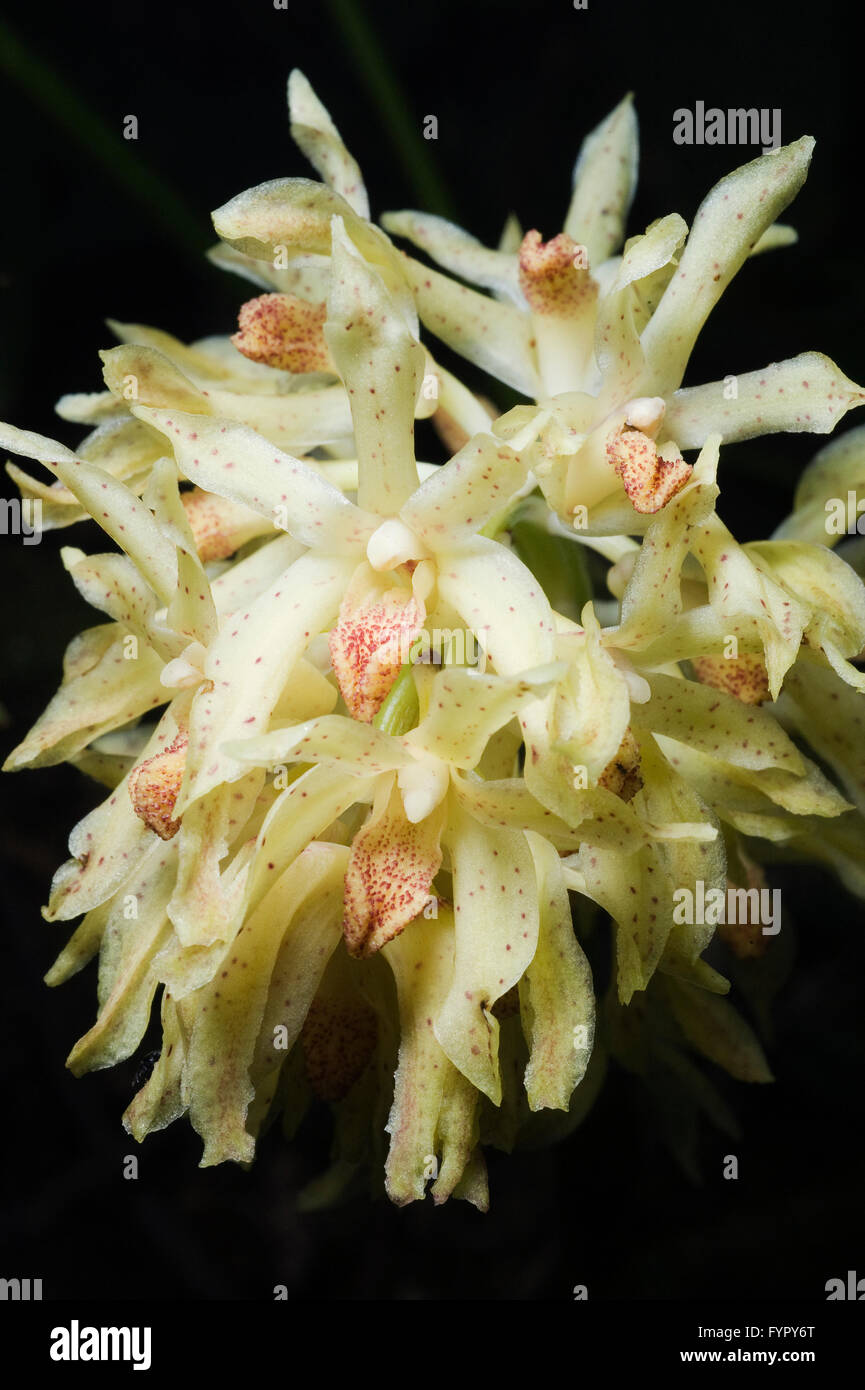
[112, 584]
[191, 612]
[312, 936]
[557, 1001]
[284, 218]
[728, 224]
[719, 724]
[591, 705]
[776, 236]
[605, 179]
[457, 251]
[494, 336]
[652, 599]
[315, 133]
[422, 964]
[717, 1030]
[127, 968]
[124, 448]
[250, 661]
[637, 892]
[303, 810]
[235, 463]
[509, 805]
[206, 901]
[667, 796]
[158, 1103]
[478, 483]
[467, 707]
[116, 689]
[807, 394]
[501, 602]
[496, 916]
[382, 366]
[823, 508]
[111, 503]
[219, 1095]
[820, 581]
[831, 716]
[135, 373]
[356, 749]
[108, 840]
[81, 947]
[646, 267]
[737, 588]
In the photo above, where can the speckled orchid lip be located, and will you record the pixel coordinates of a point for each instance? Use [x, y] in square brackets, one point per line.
[359, 876]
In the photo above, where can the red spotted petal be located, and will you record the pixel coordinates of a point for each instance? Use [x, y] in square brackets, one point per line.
[650, 480]
[219, 527]
[553, 276]
[154, 785]
[742, 676]
[339, 1037]
[389, 876]
[284, 331]
[369, 643]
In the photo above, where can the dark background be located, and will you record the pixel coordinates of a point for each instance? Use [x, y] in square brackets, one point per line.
[94, 226]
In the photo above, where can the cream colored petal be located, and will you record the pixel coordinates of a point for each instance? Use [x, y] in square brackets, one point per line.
[501, 602]
[728, 224]
[314, 131]
[122, 685]
[557, 1000]
[719, 725]
[355, 749]
[238, 464]
[382, 366]
[250, 662]
[302, 811]
[216, 1079]
[457, 251]
[206, 903]
[496, 916]
[456, 501]
[807, 394]
[604, 182]
[494, 336]
[127, 970]
[432, 1121]
[110, 502]
[467, 707]
[717, 1031]
[158, 1103]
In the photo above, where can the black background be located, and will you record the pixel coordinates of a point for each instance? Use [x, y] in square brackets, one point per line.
[84, 235]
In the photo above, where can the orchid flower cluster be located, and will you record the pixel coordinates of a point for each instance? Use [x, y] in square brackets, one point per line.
[347, 857]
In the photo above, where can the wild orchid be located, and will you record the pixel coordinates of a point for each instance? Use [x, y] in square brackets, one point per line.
[367, 782]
